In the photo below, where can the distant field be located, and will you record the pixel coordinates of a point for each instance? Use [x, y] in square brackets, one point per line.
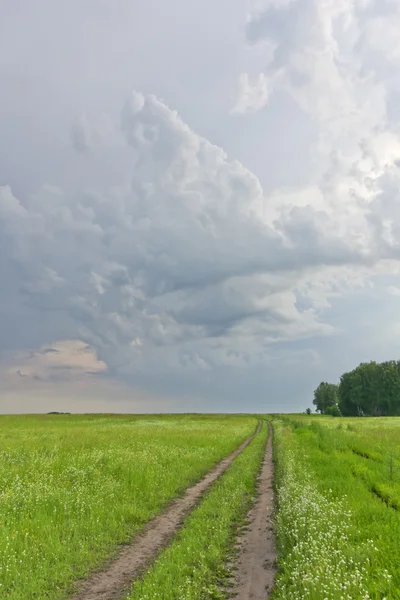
[338, 523]
[72, 487]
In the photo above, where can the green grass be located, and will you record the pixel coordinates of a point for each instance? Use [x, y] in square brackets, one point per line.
[72, 487]
[338, 527]
[192, 567]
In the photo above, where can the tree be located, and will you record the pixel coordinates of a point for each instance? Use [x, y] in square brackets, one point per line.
[333, 410]
[348, 396]
[371, 389]
[326, 395]
[308, 411]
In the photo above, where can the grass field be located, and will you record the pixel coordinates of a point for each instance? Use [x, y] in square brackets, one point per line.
[338, 524]
[192, 567]
[72, 487]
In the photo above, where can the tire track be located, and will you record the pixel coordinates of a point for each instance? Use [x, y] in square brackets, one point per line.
[113, 582]
[255, 567]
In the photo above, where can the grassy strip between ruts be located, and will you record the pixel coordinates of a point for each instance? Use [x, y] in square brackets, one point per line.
[192, 567]
[72, 487]
[336, 541]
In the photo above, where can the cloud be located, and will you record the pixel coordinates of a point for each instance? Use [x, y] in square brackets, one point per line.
[79, 395]
[164, 256]
[80, 135]
[87, 135]
[330, 58]
[67, 376]
[253, 93]
[393, 290]
[189, 273]
[185, 265]
[63, 360]
[333, 59]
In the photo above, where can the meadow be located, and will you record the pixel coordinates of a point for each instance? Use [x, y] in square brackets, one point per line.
[338, 519]
[73, 487]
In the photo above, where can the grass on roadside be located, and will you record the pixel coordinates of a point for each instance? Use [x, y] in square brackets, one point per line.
[72, 487]
[336, 540]
[192, 567]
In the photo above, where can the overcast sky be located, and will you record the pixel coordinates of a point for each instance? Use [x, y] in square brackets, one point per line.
[199, 201]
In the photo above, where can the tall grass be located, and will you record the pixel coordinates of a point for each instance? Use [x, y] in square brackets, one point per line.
[71, 488]
[337, 538]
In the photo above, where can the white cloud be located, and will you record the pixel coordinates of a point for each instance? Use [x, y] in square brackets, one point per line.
[253, 94]
[65, 359]
[186, 266]
[393, 290]
[179, 266]
[334, 60]
[185, 251]
[80, 134]
[85, 135]
[337, 59]
[79, 395]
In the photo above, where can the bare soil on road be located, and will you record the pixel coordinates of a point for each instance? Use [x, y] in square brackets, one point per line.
[114, 581]
[255, 567]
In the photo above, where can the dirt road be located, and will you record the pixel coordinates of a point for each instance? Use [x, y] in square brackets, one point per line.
[114, 581]
[256, 564]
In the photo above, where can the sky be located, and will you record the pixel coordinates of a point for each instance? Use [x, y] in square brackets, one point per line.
[199, 201]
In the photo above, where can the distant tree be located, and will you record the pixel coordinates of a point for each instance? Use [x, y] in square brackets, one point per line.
[325, 396]
[308, 411]
[371, 389]
[333, 410]
[350, 394]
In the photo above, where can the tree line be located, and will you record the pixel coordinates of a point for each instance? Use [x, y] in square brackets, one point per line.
[371, 389]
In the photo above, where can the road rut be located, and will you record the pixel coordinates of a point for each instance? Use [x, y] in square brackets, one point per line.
[113, 582]
[255, 567]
